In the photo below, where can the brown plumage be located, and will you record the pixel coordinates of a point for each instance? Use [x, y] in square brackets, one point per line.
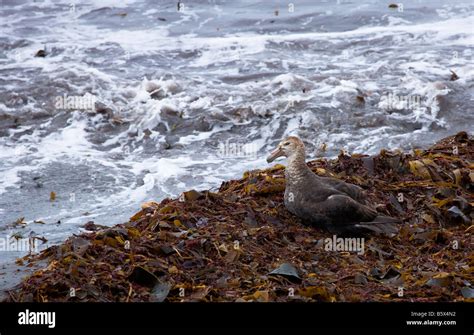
[328, 202]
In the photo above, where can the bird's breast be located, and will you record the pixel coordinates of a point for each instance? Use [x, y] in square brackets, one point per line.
[292, 199]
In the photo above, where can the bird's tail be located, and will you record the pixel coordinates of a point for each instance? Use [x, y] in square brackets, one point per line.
[383, 225]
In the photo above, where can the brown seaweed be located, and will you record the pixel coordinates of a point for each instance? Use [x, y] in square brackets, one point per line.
[240, 243]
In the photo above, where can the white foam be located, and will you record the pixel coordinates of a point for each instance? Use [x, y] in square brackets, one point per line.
[151, 11]
[109, 3]
[200, 136]
[395, 21]
[203, 102]
[9, 176]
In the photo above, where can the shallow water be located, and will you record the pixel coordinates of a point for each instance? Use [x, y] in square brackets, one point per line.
[231, 78]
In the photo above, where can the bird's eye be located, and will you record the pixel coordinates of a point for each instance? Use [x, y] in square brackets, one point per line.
[286, 143]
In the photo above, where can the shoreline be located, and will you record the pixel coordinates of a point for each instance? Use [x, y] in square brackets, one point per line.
[240, 243]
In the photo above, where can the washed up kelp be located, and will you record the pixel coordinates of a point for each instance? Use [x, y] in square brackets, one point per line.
[240, 244]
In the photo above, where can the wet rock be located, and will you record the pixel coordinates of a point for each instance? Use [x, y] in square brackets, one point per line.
[286, 270]
[160, 292]
[143, 277]
[91, 226]
[41, 53]
[360, 279]
[454, 76]
[457, 216]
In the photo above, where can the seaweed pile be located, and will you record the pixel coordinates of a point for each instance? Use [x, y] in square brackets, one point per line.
[240, 244]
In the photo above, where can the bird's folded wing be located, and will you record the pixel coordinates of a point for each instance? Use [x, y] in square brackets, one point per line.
[343, 210]
[353, 191]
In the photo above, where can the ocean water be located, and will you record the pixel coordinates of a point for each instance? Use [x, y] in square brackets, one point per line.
[142, 100]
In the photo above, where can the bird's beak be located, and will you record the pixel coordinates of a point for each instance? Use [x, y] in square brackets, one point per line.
[275, 154]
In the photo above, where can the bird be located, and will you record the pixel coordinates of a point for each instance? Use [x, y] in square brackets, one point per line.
[327, 202]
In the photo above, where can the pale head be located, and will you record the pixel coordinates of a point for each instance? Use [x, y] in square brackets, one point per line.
[289, 147]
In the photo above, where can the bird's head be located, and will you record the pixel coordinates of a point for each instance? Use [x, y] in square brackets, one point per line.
[289, 147]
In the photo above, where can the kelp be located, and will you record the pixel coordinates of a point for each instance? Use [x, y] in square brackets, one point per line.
[241, 244]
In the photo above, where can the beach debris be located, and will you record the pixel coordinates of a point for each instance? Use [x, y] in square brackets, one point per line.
[21, 221]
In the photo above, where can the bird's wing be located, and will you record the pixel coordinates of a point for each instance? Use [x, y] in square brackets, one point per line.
[343, 210]
[354, 191]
